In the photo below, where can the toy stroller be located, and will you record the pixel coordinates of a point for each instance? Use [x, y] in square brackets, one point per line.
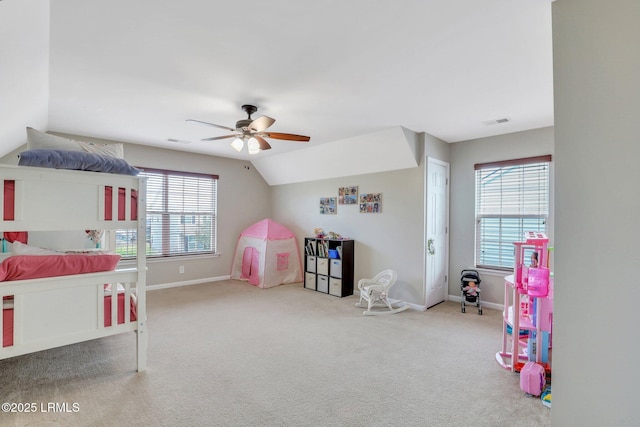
[470, 289]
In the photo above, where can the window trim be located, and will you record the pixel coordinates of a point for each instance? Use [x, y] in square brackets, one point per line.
[477, 217]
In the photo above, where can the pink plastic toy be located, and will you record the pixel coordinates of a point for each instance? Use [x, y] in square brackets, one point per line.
[538, 283]
[528, 305]
[532, 378]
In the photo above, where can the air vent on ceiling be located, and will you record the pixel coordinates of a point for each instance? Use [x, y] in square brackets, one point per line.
[496, 121]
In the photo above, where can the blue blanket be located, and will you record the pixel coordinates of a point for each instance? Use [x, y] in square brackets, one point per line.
[76, 160]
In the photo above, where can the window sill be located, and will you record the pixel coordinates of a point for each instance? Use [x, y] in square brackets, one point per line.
[154, 260]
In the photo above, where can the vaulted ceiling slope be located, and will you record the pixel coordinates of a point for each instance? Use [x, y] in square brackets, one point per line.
[386, 150]
[333, 70]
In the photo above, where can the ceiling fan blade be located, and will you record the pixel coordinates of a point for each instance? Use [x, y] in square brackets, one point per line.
[212, 124]
[215, 138]
[261, 123]
[286, 136]
[264, 145]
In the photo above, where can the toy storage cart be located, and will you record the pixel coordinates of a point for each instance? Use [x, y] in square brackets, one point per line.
[528, 307]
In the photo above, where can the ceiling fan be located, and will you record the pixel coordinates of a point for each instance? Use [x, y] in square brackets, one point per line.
[253, 132]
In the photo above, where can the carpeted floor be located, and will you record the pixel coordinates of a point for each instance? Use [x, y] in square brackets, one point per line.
[229, 354]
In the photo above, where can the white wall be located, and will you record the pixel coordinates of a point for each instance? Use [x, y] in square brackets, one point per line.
[597, 138]
[24, 70]
[463, 157]
[393, 238]
[390, 239]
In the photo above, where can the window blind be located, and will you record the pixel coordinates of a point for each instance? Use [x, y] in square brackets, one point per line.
[511, 197]
[181, 214]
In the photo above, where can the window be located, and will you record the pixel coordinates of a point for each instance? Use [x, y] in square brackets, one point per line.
[511, 197]
[181, 215]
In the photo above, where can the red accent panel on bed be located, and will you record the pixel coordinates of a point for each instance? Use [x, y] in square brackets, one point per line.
[122, 194]
[9, 210]
[107, 310]
[134, 205]
[20, 267]
[7, 318]
[7, 327]
[9, 199]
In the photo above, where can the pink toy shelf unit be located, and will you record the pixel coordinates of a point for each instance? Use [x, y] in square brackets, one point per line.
[528, 305]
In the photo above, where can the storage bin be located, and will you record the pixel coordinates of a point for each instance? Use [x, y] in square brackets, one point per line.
[323, 266]
[323, 284]
[335, 286]
[335, 268]
[310, 281]
[311, 264]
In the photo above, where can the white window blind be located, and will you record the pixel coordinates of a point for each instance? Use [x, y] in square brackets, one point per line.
[181, 215]
[511, 197]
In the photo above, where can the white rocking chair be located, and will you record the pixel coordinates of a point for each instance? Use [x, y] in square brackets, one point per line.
[376, 292]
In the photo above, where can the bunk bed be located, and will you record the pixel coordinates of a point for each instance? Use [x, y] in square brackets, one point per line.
[52, 300]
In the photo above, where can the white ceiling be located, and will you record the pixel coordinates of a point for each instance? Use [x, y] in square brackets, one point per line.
[331, 69]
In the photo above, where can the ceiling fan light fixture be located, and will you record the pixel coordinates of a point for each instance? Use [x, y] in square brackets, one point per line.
[253, 146]
[251, 131]
[237, 144]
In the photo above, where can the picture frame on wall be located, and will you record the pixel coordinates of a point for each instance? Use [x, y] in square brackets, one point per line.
[348, 195]
[328, 206]
[370, 203]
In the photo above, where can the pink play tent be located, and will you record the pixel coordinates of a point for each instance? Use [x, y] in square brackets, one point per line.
[267, 255]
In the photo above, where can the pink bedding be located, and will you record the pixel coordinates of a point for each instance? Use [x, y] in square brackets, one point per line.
[19, 267]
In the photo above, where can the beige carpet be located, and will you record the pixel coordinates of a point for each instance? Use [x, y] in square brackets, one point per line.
[229, 354]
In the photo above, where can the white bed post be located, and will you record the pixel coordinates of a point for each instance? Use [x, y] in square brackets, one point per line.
[141, 290]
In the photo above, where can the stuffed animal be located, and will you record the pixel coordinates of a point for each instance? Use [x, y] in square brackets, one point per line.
[471, 289]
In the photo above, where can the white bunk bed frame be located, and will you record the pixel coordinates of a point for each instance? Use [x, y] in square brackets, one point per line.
[58, 311]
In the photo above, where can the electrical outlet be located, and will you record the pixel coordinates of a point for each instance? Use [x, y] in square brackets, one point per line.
[181, 269]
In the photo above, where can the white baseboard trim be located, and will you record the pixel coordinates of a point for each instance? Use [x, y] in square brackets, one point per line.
[484, 304]
[417, 307]
[412, 306]
[187, 283]
[452, 298]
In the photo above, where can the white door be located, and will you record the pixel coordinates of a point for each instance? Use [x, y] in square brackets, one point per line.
[437, 228]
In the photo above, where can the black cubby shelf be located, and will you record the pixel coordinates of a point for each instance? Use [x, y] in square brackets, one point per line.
[328, 265]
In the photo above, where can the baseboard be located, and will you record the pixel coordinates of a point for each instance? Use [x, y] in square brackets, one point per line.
[186, 283]
[484, 304]
[397, 301]
[452, 298]
[412, 306]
